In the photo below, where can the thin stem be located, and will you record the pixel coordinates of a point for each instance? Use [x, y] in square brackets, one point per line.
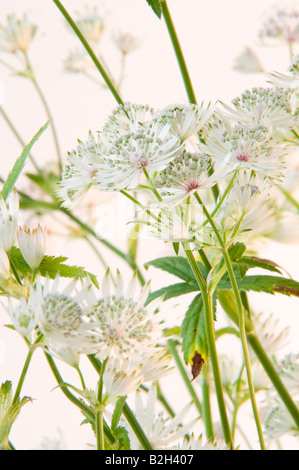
[206, 403]
[242, 326]
[90, 52]
[99, 428]
[290, 198]
[23, 375]
[209, 324]
[182, 370]
[178, 52]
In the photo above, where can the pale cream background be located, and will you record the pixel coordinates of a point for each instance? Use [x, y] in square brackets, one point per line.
[212, 34]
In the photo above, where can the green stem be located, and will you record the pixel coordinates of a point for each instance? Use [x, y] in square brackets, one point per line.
[178, 52]
[99, 428]
[23, 375]
[137, 429]
[182, 370]
[242, 326]
[206, 403]
[209, 324]
[290, 198]
[90, 52]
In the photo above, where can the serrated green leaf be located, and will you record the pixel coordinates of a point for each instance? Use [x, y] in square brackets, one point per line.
[176, 265]
[117, 412]
[193, 333]
[122, 436]
[50, 266]
[255, 262]
[236, 250]
[156, 7]
[266, 284]
[19, 164]
[174, 290]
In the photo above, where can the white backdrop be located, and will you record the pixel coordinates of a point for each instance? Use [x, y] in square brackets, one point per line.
[212, 35]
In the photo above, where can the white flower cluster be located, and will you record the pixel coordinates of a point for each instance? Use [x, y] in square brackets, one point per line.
[117, 328]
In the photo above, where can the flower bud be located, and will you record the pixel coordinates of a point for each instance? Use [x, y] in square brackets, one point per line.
[32, 244]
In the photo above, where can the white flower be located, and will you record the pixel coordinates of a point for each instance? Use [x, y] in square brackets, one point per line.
[288, 370]
[282, 24]
[150, 149]
[185, 119]
[78, 61]
[128, 118]
[23, 314]
[126, 42]
[17, 34]
[250, 148]
[124, 327]
[269, 332]
[91, 24]
[8, 220]
[32, 244]
[194, 443]
[62, 314]
[155, 365]
[79, 172]
[272, 108]
[160, 431]
[4, 265]
[120, 379]
[248, 62]
[279, 421]
[188, 173]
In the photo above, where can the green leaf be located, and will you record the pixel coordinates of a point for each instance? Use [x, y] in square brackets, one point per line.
[122, 437]
[174, 290]
[19, 164]
[255, 262]
[267, 284]
[50, 266]
[176, 265]
[236, 251]
[176, 247]
[117, 412]
[193, 333]
[156, 7]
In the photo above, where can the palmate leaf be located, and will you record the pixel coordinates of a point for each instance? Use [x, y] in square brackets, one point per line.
[19, 164]
[156, 7]
[51, 266]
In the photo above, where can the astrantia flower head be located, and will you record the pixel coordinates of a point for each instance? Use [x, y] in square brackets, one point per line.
[120, 379]
[23, 314]
[80, 170]
[186, 174]
[62, 314]
[185, 119]
[150, 149]
[279, 421]
[288, 370]
[196, 443]
[8, 220]
[249, 147]
[124, 326]
[128, 118]
[161, 431]
[126, 42]
[78, 61]
[91, 24]
[272, 108]
[32, 244]
[17, 34]
[282, 24]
